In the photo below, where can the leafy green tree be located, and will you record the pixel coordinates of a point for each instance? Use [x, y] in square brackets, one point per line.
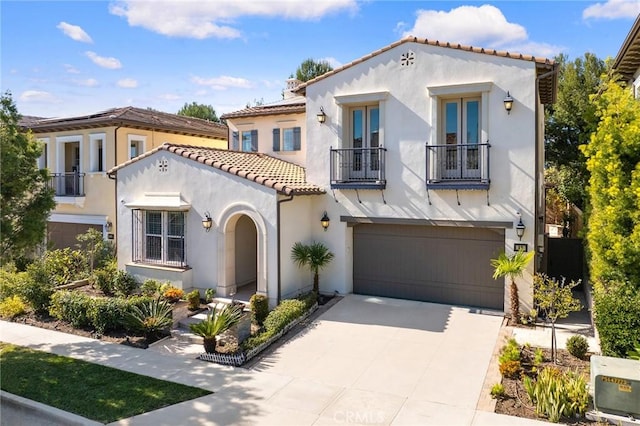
[310, 69]
[315, 256]
[25, 198]
[196, 110]
[512, 266]
[613, 160]
[555, 300]
[569, 123]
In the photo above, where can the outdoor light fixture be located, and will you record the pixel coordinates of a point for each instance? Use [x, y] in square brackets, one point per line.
[508, 103]
[207, 222]
[321, 116]
[109, 226]
[325, 221]
[520, 228]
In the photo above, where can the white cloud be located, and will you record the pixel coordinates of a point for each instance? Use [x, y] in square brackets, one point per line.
[89, 82]
[104, 62]
[71, 69]
[169, 97]
[613, 9]
[541, 50]
[332, 61]
[128, 83]
[479, 26]
[37, 96]
[74, 32]
[223, 82]
[206, 19]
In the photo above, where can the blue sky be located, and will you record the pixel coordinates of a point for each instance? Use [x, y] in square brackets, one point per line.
[65, 58]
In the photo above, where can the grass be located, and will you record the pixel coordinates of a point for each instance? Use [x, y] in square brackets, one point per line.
[93, 391]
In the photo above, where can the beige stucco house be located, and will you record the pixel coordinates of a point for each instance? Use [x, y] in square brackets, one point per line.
[78, 151]
[426, 157]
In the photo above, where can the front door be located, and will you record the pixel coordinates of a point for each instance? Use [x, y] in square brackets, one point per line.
[365, 129]
[462, 136]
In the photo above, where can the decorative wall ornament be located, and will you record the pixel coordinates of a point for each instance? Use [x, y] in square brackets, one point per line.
[407, 59]
[163, 165]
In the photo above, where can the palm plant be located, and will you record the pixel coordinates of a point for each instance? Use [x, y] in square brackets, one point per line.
[512, 266]
[315, 256]
[217, 322]
[151, 318]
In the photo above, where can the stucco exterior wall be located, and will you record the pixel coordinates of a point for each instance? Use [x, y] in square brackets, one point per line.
[408, 121]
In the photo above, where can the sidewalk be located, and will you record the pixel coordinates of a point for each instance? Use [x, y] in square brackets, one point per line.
[241, 396]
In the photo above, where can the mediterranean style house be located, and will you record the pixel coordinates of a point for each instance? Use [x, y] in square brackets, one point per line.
[627, 62]
[78, 151]
[415, 165]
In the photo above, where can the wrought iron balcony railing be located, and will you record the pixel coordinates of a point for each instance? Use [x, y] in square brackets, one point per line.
[459, 166]
[355, 168]
[69, 184]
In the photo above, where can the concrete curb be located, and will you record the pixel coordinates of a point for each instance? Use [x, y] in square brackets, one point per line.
[493, 376]
[18, 411]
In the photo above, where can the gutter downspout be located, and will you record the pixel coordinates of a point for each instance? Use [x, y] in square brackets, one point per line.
[113, 177]
[540, 203]
[284, 200]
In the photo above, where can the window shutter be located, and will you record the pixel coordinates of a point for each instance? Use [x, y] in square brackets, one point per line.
[235, 141]
[296, 139]
[276, 139]
[254, 141]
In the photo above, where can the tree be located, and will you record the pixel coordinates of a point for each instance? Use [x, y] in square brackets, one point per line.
[205, 112]
[512, 267]
[315, 256]
[569, 123]
[310, 69]
[554, 300]
[25, 197]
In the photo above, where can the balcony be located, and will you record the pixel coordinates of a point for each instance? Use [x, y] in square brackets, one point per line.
[358, 168]
[69, 184]
[458, 166]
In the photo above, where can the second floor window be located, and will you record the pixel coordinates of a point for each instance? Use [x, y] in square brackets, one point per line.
[288, 139]
[246, 141]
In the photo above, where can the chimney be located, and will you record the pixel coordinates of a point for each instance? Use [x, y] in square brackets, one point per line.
[292, 84]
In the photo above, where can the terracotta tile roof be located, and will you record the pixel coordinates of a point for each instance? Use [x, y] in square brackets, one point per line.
[133, 117]
[547, 84]
[286, 178]
[627, 61]
[287, 106]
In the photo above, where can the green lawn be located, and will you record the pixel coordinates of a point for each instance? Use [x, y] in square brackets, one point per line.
[96, 392]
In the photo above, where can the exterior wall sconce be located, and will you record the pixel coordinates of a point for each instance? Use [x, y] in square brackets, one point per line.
[325, 221]
[109, 226]
[321, 116]
[520, 228]
[207, 222]
[508, 103]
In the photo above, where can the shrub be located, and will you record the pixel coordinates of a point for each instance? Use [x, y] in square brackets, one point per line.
[556, 394]
[104, 277]
[309, 299]
[150, 318]
[497, 391]
[12, 307]
[65, 265]
[577, 346]
[71, 306]
[510, 351]
[124, 283]
[10, 281]
[209, 294]
[617, 318]
[97, 250]
[259, 308]
[510, 369]
[107, 313]
[635, 353]
[37, 287]
[283, 314]
[172, 294]
[538, 357]
[255, 341]
[150, 288]
[193, 298]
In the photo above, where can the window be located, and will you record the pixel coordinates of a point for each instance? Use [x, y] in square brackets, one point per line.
[97, 153]
[43, 160]
[159, 237]
[249, 141]
[288, 139]
[136, 145]
[364, 131]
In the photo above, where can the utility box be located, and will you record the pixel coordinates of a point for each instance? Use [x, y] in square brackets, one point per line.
[616, 385]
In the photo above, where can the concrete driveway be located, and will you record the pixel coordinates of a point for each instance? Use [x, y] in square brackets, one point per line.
[371, 360]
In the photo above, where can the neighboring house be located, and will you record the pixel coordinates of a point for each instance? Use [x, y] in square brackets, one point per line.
[627, 62]
[79, 150]
[409, 151]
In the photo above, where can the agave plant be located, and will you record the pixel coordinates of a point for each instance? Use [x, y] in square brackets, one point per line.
[512, 266]
[217, 322]
[151, 318]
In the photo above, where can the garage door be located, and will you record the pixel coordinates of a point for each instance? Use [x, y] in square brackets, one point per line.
[442, 264]
[61, 235]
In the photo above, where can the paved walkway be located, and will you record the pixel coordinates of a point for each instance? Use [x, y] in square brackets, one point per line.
[302, 383]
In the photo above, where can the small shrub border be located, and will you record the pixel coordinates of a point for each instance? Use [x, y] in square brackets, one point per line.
[238, 359]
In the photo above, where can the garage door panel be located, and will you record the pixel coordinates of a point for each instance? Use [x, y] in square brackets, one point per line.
[439, 264]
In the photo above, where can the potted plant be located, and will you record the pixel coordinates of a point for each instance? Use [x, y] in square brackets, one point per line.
[315, 256]
[218, 321]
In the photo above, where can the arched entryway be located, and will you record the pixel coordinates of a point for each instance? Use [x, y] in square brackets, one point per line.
[242, 252]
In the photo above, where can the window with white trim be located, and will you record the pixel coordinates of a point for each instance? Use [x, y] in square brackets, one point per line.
[287, 139]
[159, 237]
[43, 160]
[136, 145]
[97, 153]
